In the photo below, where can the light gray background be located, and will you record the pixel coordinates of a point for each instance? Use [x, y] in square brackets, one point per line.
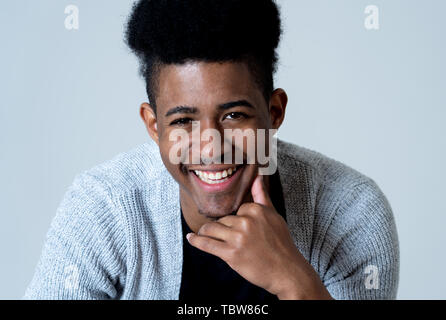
[374, 100]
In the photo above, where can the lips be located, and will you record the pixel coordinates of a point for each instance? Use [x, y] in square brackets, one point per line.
[217, 180]
[215, 177]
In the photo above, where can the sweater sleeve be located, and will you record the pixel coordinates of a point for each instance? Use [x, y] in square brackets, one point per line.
[83, 255]
[363, 241]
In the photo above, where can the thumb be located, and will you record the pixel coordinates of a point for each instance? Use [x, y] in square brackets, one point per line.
[259, 193]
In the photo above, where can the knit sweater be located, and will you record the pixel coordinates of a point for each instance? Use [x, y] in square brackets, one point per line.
[117, 232]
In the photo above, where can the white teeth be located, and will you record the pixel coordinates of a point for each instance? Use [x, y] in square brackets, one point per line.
[216, 177]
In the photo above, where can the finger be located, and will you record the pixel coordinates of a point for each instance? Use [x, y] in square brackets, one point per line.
[215, 247]
[259, 193]
[239, 222]
[215, 230]
[229, 221]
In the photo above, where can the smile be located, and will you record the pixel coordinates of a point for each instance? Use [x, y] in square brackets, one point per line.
[215, 177]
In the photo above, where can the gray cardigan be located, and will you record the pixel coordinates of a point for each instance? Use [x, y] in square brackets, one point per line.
[117, 232]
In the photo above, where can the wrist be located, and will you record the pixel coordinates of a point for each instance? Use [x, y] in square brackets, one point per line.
[296, 294]
[302, 284]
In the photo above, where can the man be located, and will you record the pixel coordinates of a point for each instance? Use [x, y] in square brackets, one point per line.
[142, 226]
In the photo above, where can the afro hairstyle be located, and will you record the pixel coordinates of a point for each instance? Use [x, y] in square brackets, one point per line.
[164, 32]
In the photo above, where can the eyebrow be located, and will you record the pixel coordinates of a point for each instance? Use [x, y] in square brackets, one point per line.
[221, 107]
[234, 104]
[182, 109]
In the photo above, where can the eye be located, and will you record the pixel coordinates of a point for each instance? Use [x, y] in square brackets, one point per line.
[235, 116]
[181, 122]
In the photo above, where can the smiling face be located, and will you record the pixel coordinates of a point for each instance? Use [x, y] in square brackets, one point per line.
[218, 96]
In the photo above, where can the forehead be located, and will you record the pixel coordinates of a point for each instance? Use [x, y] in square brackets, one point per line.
[206, 84]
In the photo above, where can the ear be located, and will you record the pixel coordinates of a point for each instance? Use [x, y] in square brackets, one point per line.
[277, 107]
[148, 116]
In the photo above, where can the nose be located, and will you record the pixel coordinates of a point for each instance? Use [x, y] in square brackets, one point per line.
[208, 144]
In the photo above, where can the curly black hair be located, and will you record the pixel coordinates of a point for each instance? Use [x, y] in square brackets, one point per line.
[177, 31]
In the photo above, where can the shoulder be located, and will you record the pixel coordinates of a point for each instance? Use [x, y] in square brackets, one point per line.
[318, 167]
[340, 197]
[94, 196]
[90, 211]
[126, 171]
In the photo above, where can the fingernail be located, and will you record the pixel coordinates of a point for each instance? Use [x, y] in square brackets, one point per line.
[188, 236]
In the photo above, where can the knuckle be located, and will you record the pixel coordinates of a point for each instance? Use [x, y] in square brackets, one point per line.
[243, 208]
[253, 210]
[227, 220]
[256, 210]
[248, 208]
[245, 223]
[205, 229]
[223, 220]
[239, 239]
[253, 206]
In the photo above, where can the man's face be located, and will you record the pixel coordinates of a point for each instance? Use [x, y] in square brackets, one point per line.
[217, 96]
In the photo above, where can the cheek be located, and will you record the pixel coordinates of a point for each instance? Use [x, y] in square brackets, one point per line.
[165, 148]
[171, 159]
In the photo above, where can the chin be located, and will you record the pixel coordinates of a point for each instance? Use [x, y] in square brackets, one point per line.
[217, 213]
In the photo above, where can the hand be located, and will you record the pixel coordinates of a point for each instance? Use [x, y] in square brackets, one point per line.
[257, 244]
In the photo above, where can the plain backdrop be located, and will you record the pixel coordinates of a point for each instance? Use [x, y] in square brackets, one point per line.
[372, 99]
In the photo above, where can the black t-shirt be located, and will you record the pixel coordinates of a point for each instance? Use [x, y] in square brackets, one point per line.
[208, 278]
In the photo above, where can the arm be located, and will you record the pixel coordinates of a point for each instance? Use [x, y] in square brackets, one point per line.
[82, 255]
[363, 241]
